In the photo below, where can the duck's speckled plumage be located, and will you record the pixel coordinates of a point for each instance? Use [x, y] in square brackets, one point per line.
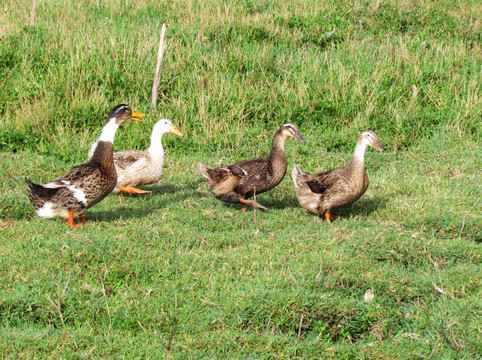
[96, 179]
[325, 192]
[237, 182]
[84, 185]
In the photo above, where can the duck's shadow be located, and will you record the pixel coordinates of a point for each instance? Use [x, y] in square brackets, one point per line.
[182, 192]
[270, 202]
[363, 207]
[278, 203]
[140, 206]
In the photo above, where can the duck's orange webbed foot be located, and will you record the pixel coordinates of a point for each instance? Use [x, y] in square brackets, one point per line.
[330, 217]
[70, 222]
[251, 203]
[132, 190]
[82, 219]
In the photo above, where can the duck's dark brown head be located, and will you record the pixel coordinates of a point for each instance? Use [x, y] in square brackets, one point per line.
[123, 112]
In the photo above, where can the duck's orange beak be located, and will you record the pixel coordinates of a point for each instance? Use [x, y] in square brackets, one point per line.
[135, 116]
[176, 131]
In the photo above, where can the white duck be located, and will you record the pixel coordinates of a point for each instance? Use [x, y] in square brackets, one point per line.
[136, 168]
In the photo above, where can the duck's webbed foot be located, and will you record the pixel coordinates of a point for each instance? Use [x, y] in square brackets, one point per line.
[70, 222]
[330, 217]
[252, 203]
[132, 190]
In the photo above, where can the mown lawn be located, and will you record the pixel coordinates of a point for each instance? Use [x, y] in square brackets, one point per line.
[180, 270]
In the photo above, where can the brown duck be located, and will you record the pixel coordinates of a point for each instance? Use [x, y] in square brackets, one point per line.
[84, 185]
[325, 192]
[237, 182]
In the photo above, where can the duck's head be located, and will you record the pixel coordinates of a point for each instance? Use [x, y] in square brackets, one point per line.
[369, 138]
[123, 112]
[289, 129]
[165, 126]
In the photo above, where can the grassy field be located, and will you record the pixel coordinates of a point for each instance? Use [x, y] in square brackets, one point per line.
[178, 274]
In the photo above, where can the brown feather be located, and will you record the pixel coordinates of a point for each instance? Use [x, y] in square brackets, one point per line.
[327, 191]
[252, 176]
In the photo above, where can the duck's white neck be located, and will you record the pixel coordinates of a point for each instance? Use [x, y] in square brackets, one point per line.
[156, 149]
[108, 131]
[359, 154]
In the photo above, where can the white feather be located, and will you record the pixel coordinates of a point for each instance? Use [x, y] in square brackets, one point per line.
[57, 184]
[92, 148]
[47, 211]
[78, 194]
[108, 131]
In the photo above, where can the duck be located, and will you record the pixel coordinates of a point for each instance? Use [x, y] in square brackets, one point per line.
[83, 186]
[236, 183]
[136, 168]
[325, 192]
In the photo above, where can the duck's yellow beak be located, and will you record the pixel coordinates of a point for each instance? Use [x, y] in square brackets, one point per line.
[176, 131]
[135, 116]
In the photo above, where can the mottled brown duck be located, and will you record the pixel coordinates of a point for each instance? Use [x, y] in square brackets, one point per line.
[325, 192]
[83, 186]
[137, 168]
[238, 182]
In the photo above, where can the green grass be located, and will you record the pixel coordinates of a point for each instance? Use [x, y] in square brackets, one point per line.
[184, 269]
[178, 273]
[238, 66]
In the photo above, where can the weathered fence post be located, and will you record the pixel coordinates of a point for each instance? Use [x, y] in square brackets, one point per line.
[157, 75]
[34, 12]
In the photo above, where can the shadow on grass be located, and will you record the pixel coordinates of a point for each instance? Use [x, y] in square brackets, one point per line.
[141, 205]
[278, 203]
[363, 207]
[186, 190]
[269, 202]
[120, 212]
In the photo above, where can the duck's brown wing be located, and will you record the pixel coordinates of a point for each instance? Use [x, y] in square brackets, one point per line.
[76, 175]
[236, 170]
[251, 167]
[257, 177]
[125, 159]
[322, 182]
[89, 179]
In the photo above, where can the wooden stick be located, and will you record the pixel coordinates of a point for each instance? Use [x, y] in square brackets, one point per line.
[102, 281]
[301, 324]
[202, 239]
[157, 75]
[34, 12]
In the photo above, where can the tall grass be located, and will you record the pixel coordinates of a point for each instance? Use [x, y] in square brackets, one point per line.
[237, 69]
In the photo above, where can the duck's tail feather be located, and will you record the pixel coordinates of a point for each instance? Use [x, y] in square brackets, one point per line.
[296, 173]
[204, 170]
[32, 186]
[38, 192]
[297, 170]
